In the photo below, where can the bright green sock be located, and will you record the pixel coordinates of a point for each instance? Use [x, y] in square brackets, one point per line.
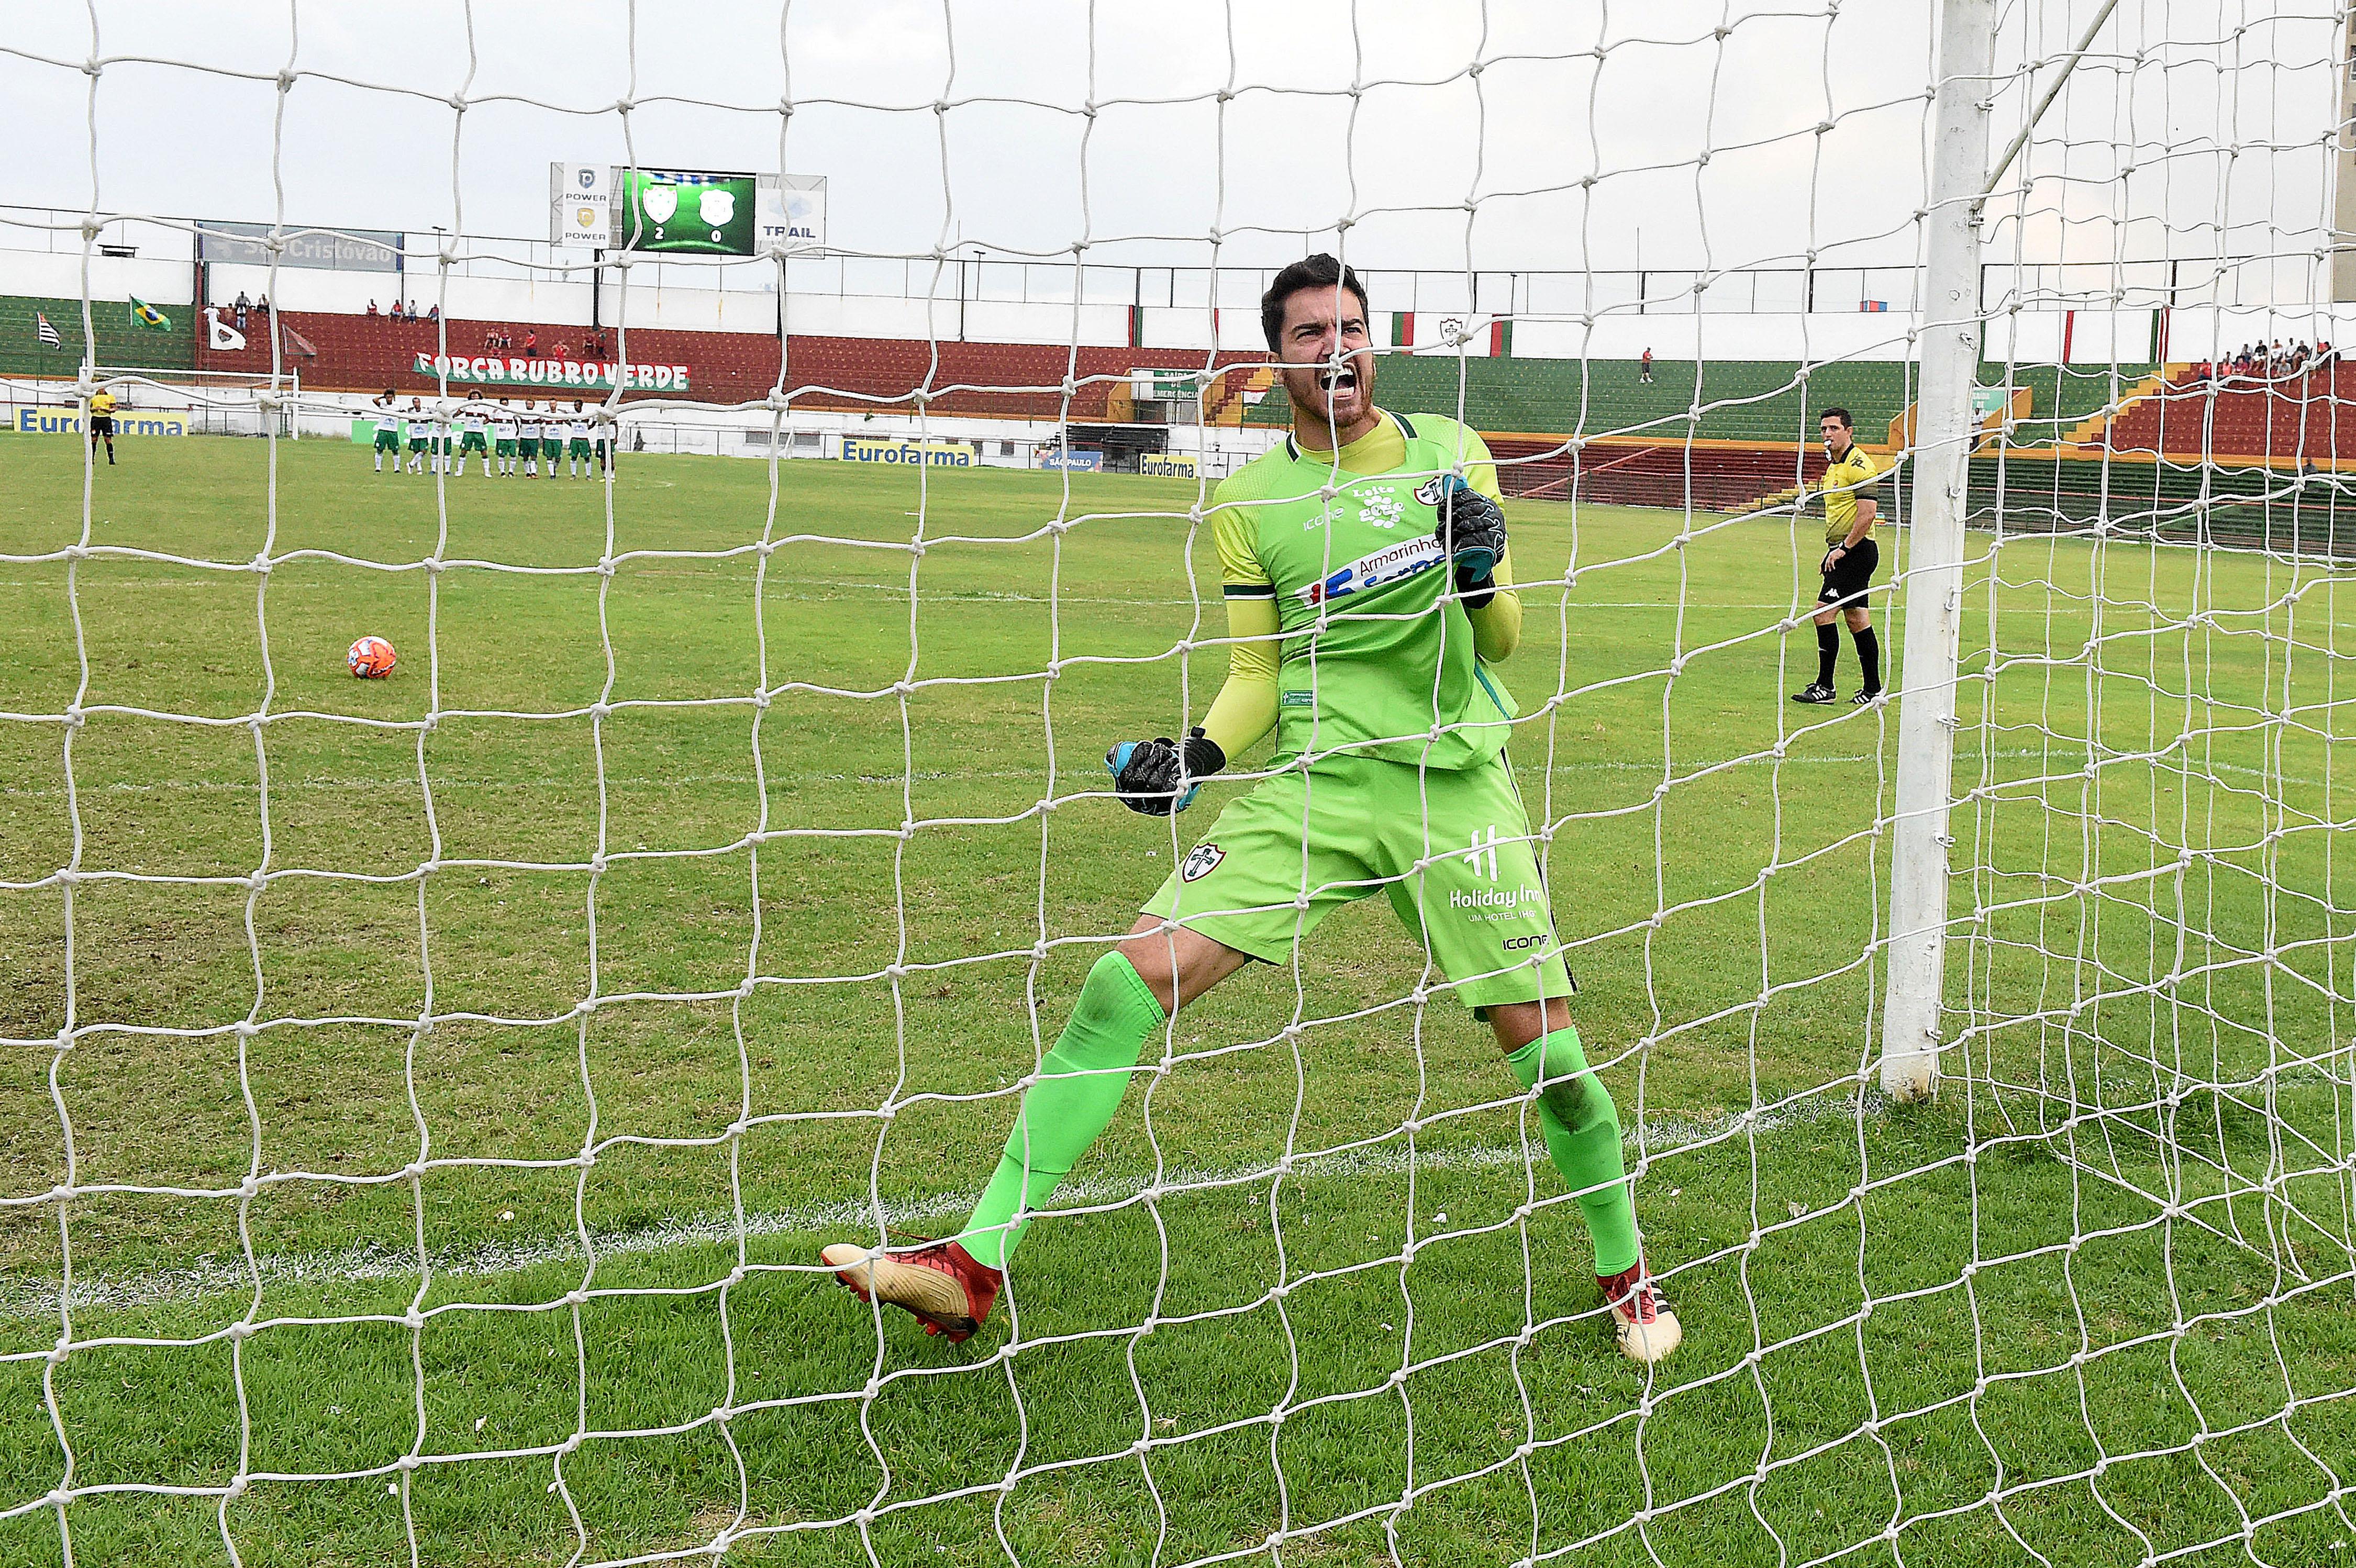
[1582, 1132]
[1063, 1112]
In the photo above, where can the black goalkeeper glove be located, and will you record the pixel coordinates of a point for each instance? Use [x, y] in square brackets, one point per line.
[1473, 532]
[1146, 774]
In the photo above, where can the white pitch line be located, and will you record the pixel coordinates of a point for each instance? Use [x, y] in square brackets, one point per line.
[212, 1276]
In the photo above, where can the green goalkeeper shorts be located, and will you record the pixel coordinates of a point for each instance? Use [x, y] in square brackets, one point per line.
[1450, 850]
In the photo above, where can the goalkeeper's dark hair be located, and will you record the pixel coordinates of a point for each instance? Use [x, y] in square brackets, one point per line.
[1848, 421]
[1320, 271]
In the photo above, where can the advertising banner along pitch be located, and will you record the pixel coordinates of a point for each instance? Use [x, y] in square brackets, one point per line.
[497, 369]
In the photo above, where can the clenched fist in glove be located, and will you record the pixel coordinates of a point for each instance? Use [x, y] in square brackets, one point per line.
[1148, 775]
[1472, 530]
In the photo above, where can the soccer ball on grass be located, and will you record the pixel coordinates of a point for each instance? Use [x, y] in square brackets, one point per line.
[371, 659]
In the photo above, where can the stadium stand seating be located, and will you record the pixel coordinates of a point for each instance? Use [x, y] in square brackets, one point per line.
[2063, 398]
[1762, 400]
[120, 345]
[2309, 418]
[361, 353]
[1666, 474]
[2280, 509]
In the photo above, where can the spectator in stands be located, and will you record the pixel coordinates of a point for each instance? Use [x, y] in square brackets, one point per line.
[240, 308]
[262, 305]
[434, 312]
[1645, 365]
[530, 343]
[243, 303]
[371, 307]
[562, 351]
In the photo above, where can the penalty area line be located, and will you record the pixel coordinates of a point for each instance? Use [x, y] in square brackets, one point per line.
[213, 1275]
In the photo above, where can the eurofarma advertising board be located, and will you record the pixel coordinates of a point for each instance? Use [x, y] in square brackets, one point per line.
[67, 421]
[928, 453]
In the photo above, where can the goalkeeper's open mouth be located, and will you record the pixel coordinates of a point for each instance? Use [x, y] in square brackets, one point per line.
[1338, 381]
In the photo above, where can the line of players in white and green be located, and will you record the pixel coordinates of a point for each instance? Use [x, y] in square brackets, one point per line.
[515, 439]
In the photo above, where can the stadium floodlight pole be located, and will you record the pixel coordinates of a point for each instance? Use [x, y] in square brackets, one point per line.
[1943, 436]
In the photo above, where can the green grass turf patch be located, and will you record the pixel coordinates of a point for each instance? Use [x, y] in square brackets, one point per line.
[702, 732]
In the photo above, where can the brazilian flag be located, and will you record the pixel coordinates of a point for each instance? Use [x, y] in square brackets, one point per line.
[145, 315]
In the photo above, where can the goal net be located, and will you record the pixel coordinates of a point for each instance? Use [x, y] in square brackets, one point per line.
[425, 1098]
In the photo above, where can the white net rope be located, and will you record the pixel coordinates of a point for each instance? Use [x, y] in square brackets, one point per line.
[1321, 1296]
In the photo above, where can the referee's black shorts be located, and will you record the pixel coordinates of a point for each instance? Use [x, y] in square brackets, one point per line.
[1845, 584]
[101, 424]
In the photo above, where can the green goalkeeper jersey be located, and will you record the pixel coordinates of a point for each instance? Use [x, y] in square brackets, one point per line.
[1377, 654]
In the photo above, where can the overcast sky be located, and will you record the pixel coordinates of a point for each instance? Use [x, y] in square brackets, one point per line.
[1018, 165]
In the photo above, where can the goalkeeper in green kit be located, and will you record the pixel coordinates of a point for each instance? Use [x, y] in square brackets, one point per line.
[1363, 563]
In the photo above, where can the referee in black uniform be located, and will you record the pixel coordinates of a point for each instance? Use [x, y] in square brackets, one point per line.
[1852, 491]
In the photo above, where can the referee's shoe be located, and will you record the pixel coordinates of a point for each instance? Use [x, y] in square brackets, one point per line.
[1814, 692]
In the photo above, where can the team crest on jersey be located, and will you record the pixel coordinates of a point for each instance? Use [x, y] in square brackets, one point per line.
[1432, 489]
[1200, 861]
[1381, 509]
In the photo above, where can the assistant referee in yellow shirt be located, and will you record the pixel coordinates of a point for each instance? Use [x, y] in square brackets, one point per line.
[102, 422]
[1852, 492]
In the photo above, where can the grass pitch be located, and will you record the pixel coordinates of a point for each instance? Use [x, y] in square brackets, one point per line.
[536, 1282]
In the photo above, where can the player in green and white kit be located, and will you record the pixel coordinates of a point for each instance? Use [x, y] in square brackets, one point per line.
[472, 432]
[388, 429]
[1365, 573]
[421, 438]
[578, 458]
[504, 429]
[536, 444]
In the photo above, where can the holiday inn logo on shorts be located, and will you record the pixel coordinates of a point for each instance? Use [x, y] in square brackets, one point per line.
[510, 371]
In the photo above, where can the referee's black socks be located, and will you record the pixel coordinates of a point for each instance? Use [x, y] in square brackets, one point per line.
[1868, 656]
[1827, 652]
